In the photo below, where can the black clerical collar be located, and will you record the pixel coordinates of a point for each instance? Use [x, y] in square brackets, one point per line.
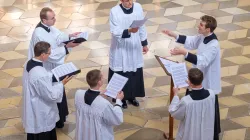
[90, 96]
[209, 38]
[127, 11]
[43, 26]
[198, 94]
[32, 63]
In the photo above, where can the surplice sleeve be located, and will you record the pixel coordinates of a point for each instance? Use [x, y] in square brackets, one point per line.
[113, 115]
[60, 36]
[57, 52]
[204, 59]
[190, 42]
[48, 91]
[143, 32]
[177, 108]
[115, 29]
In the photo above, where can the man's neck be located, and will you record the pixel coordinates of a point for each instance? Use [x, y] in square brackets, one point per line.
[38, 58]
[125, 7]
[45, 24]
[97, 88]
[207, 34]
[197, 87]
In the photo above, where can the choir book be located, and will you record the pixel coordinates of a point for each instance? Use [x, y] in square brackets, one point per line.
[64, 70]
[82, 37]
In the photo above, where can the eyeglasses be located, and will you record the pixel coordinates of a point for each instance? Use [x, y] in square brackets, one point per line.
[51, 19]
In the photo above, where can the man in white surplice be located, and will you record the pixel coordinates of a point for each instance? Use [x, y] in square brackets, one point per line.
[207, 58]
[40, 96]
[45, 31]
[196, 111]
[127, 47]
[95, 115]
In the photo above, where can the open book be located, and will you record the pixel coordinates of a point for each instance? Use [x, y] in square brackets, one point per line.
[178, 71]
[179, 75]
[64, 70]
[115, 85]
[82, 37]
[138, 23]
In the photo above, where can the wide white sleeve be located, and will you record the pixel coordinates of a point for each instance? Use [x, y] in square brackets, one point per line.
[142, 29]
[57, 53]
[191, 42]
[177, 108]
[113, 115]
[47, 90]
[206, 57]
[60, 36]
[115, 30]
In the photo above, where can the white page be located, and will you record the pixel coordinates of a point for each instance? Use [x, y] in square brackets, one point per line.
[84, 35]
[167, 64]
[115, 85]
[63, 69]
[138, 23]
[179, 75]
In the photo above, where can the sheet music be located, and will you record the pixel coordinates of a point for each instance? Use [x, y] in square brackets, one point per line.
[138, 23]
[63, 69]
[84, 35]
[179, 75]
[167, 64]
[115, 85]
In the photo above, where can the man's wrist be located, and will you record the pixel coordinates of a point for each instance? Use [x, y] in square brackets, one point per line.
[129, 30]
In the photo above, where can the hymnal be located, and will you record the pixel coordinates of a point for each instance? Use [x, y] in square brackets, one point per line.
[64, 70]
[179, 75]
[82, 37]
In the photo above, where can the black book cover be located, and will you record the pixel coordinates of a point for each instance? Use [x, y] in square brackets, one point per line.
[62, 77]
[70, 74]
[77, 40]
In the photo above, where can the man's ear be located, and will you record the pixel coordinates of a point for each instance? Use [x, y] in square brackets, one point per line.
[208, 30]
[188, 82]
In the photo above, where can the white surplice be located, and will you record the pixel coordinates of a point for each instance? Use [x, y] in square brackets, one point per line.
[208, 61]
[196, 117]
[40, 97]
[96, 121]
[126, 53]
[55, 38]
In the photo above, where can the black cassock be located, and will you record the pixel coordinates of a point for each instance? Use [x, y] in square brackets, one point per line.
[62, 108]
[135, 85]
[202, 94]
[50, 135]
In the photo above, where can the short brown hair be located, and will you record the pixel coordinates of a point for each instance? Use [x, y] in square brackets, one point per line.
[93, 77]
[195, 76]
[41, 47]
[43, 13]
[211, 22]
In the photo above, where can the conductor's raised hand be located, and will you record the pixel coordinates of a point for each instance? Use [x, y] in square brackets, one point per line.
[169, 33]
[133, 30]
[178, 51]
[66, 79]
[72, 44]
[74, 34]
[120, 95]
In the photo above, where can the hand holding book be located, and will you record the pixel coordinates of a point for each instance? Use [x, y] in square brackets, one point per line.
[78, 38]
